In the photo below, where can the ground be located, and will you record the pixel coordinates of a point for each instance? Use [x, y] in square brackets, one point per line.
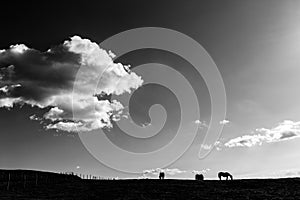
[58, 186]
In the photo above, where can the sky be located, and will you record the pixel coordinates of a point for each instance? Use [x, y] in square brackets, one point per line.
[47, 49]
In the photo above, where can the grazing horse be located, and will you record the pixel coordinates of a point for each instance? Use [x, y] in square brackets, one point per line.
[161, 175]
[225, 174]
[199, 177]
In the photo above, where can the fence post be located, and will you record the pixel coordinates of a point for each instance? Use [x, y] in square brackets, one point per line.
[8, 181]
[36, 180]
[24, 181]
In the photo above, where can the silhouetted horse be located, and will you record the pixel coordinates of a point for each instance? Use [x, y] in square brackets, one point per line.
[199, 177]
[225, 174]
[161, 175]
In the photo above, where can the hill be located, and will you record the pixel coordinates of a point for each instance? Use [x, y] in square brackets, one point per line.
[61, 186]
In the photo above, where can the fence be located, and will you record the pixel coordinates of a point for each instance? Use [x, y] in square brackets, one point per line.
[27, 179]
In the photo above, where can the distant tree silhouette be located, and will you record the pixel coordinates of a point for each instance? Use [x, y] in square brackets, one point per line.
[225, 174]
[161, 175]
[199, 177]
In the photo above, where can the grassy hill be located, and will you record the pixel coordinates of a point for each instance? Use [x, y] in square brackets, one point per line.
[60, 186]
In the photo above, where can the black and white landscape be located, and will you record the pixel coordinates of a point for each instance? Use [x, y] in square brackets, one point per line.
[150, 99]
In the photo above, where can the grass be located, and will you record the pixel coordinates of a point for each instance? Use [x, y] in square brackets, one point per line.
[72, 187]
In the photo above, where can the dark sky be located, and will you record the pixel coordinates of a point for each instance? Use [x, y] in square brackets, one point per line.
[23, 22]
[255, 45]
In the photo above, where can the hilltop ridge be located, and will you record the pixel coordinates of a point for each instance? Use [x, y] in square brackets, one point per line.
[61, 186]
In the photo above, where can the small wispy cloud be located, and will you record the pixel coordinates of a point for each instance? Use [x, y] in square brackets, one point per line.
[156, 171]
[279, 173]
[206, 146]
[196, 121]
[203, 171]
[217, 145]
[292, 173]
[224, 122]
[201, 124]
[285, 130]
[35, 118]
[143, 177]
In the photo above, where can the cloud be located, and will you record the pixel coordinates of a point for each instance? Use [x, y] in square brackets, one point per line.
[18, 48]
[203, 171]
[224, 122]
[292, 173]
[198, 121]
[174, 171]
[143, 177]
[280, 173]
[150, 173]
[9, 102]
[4, 89]
[35, 118]
[285, 130]
[206, 146]
[54, 114]
[46, 80]
[156, 171]
[201, 124]
[217, 145]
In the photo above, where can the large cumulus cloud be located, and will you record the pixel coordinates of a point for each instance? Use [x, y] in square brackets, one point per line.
[46, 80]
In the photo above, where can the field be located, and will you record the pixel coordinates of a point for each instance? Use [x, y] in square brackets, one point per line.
[42, 185]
